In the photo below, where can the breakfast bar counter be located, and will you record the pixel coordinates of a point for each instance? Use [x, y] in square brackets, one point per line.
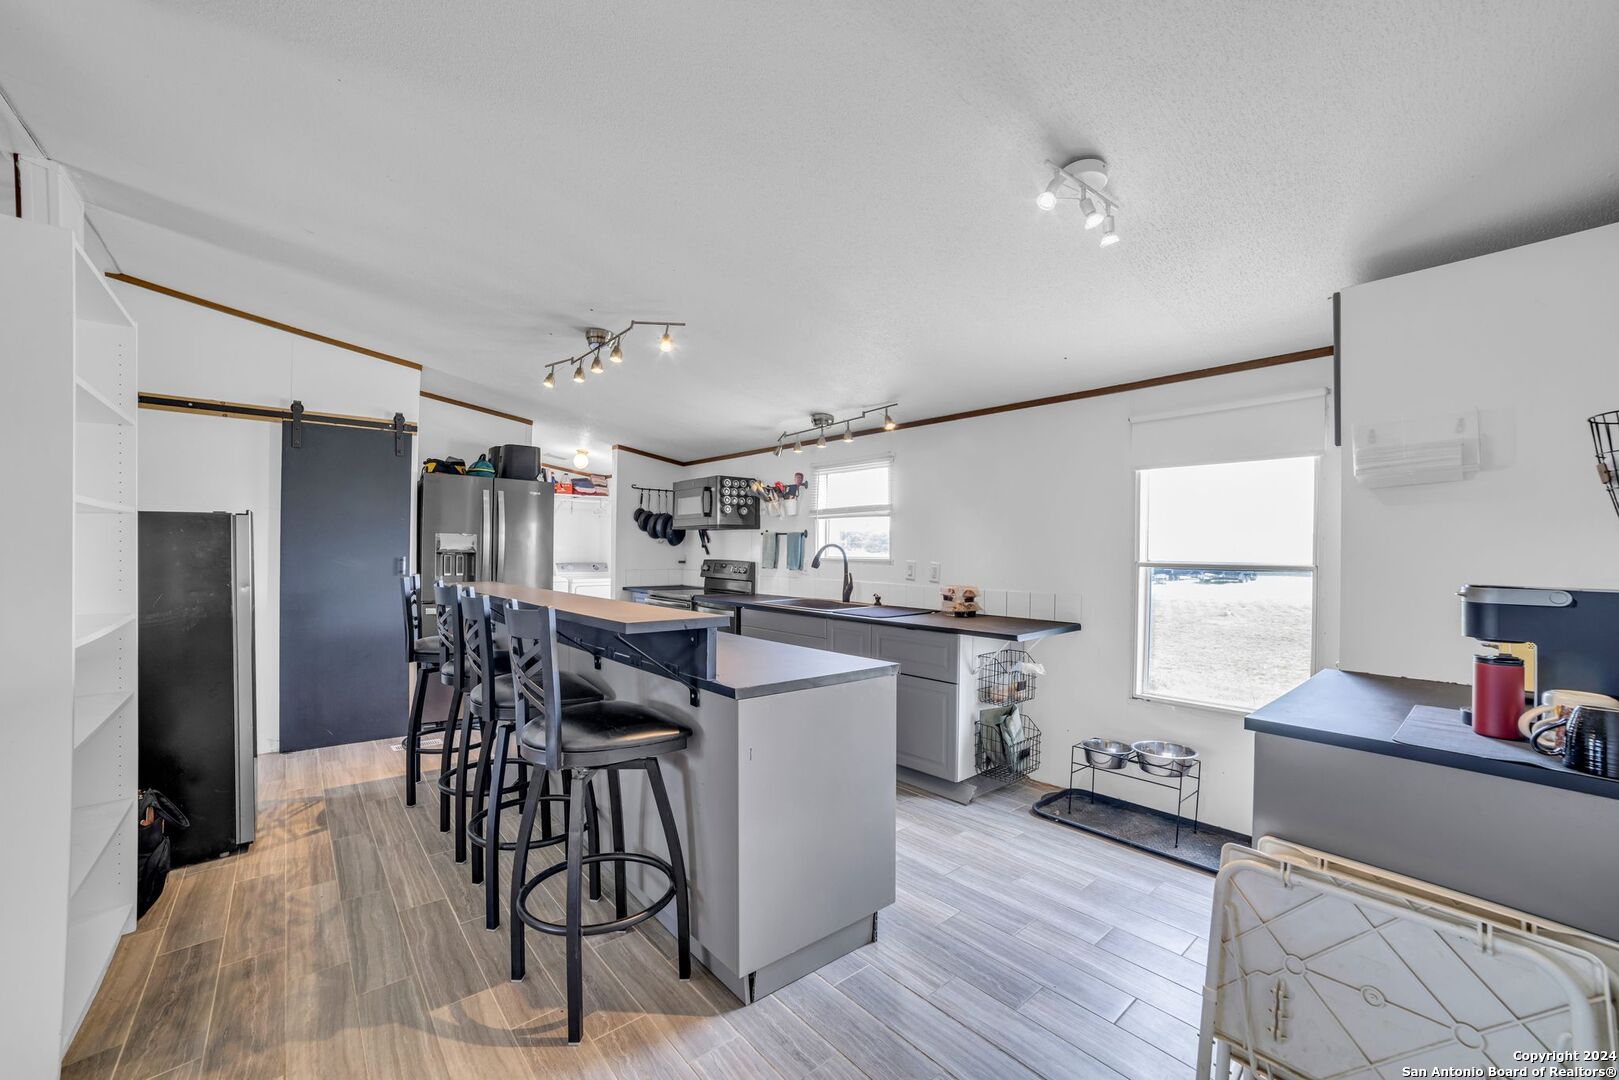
[784, 794]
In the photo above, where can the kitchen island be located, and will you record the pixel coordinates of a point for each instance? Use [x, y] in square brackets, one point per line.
[1328, 774]
[784, 794]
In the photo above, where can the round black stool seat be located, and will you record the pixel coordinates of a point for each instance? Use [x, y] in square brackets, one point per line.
[575, 691]
[602, 732]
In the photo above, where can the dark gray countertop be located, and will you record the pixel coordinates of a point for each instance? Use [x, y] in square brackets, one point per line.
[988, 626]
[753, 667]
[1362, 712]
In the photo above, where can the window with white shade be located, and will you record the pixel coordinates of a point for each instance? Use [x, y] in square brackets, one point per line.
[854, 508]
[1226, 581]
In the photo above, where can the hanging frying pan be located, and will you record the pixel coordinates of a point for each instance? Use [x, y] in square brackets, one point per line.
[640, 511]
[661, 526]
[675, 537]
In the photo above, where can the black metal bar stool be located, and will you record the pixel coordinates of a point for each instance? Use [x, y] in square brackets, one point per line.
[580, 741]
[493, 701]
[425, 653]
[458, 740]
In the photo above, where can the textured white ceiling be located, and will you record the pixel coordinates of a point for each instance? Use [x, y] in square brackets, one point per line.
[837, 197]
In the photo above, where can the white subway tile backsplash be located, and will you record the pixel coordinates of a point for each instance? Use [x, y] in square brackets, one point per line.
[1068, 607]
[1017, 604]
[993, 602]
[1043, 605]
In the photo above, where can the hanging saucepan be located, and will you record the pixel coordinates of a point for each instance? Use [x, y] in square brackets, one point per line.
[640, 511]
[651, 516]
[660, 525]
[675, 537]
[666, 520]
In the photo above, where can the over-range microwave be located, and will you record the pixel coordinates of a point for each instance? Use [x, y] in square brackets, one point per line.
[716, 502]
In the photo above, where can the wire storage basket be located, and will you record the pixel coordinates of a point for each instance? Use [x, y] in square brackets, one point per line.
[1006, 677]
[1007, 748]
[1605, 438]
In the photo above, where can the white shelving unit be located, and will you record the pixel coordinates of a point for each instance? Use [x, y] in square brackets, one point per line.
[71, 636]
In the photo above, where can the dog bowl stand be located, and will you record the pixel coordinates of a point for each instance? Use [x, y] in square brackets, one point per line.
[1194, 773]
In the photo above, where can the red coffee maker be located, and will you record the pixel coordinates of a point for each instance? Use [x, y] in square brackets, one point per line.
[1498, 695]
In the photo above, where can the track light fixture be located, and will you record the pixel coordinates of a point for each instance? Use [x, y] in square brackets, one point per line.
[1082, 181]
[597, 339]
[821, 422]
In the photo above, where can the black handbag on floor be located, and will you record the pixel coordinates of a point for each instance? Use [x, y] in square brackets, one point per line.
[152, 848]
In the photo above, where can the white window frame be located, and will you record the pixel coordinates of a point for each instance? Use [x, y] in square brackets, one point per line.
[884, 510]
[1144, 569]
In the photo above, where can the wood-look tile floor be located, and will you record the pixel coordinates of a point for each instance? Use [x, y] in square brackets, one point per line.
[348, 943]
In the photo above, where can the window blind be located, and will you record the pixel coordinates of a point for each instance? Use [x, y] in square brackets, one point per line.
[1288, 425]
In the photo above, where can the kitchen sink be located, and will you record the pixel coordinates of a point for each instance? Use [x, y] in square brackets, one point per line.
[815, 604]
[869, 611]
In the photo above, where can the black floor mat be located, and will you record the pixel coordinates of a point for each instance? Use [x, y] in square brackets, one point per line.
[1140, 827]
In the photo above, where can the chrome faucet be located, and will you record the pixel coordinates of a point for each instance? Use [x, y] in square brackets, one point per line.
[848, 578]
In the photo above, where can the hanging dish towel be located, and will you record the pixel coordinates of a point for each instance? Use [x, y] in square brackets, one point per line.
[767, 551]
[795, 551]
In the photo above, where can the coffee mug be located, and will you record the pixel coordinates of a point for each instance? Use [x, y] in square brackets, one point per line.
[1556, 704]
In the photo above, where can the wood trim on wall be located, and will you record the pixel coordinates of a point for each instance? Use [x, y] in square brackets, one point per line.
[1035, 403]
[223, 309]
[477, 408]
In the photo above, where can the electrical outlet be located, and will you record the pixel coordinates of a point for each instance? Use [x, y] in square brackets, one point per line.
[933, 572]
[910, 569]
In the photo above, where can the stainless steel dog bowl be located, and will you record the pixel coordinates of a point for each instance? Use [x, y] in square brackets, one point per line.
[1163, 758]
[1106, 753]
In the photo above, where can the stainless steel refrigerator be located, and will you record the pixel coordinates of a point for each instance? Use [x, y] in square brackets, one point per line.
[197, 722]
[479, 528]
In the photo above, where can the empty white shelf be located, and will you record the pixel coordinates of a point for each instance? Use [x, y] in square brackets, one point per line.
[91, 942]
[86, 505]
[91, 406]
[90, 711]
[92, 296]
[88, 628]
[94, 826]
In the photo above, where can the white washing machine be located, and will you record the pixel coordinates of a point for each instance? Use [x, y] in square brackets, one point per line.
[584, 578]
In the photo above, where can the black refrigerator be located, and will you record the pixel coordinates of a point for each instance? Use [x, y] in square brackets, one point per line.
[197, 727]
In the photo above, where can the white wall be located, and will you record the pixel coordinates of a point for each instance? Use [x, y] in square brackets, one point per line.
[635, 558]
[581, 529]
[451, 431]
[1037, 508]
[1526, 336]
[210, 463]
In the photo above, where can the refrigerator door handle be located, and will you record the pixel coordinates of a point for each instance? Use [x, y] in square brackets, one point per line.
[500, 514]
[486, 553]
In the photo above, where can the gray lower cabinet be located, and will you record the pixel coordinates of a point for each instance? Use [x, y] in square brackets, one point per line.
[850, 639]
[926, 725]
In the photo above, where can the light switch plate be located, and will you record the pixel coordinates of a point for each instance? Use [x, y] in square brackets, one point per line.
[910, 569]
[933, 572]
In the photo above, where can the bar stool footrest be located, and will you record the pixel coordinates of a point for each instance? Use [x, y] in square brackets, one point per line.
[476, 820]
[630, 921]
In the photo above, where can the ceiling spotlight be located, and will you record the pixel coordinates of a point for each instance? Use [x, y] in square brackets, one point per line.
[1109, 237]
[1047, 199]
[888, 421]
[580, 459]
[596, 364]
[820, 444]
[617, 353]
[550, 380]
[798, 447]
[777, 450]
[848, 431]
[1093, 216]
[579, 372]
[665, 343]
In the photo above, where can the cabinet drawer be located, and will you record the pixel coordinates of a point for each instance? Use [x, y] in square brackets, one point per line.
[807, 630]
[925, 726]
[917, 652]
